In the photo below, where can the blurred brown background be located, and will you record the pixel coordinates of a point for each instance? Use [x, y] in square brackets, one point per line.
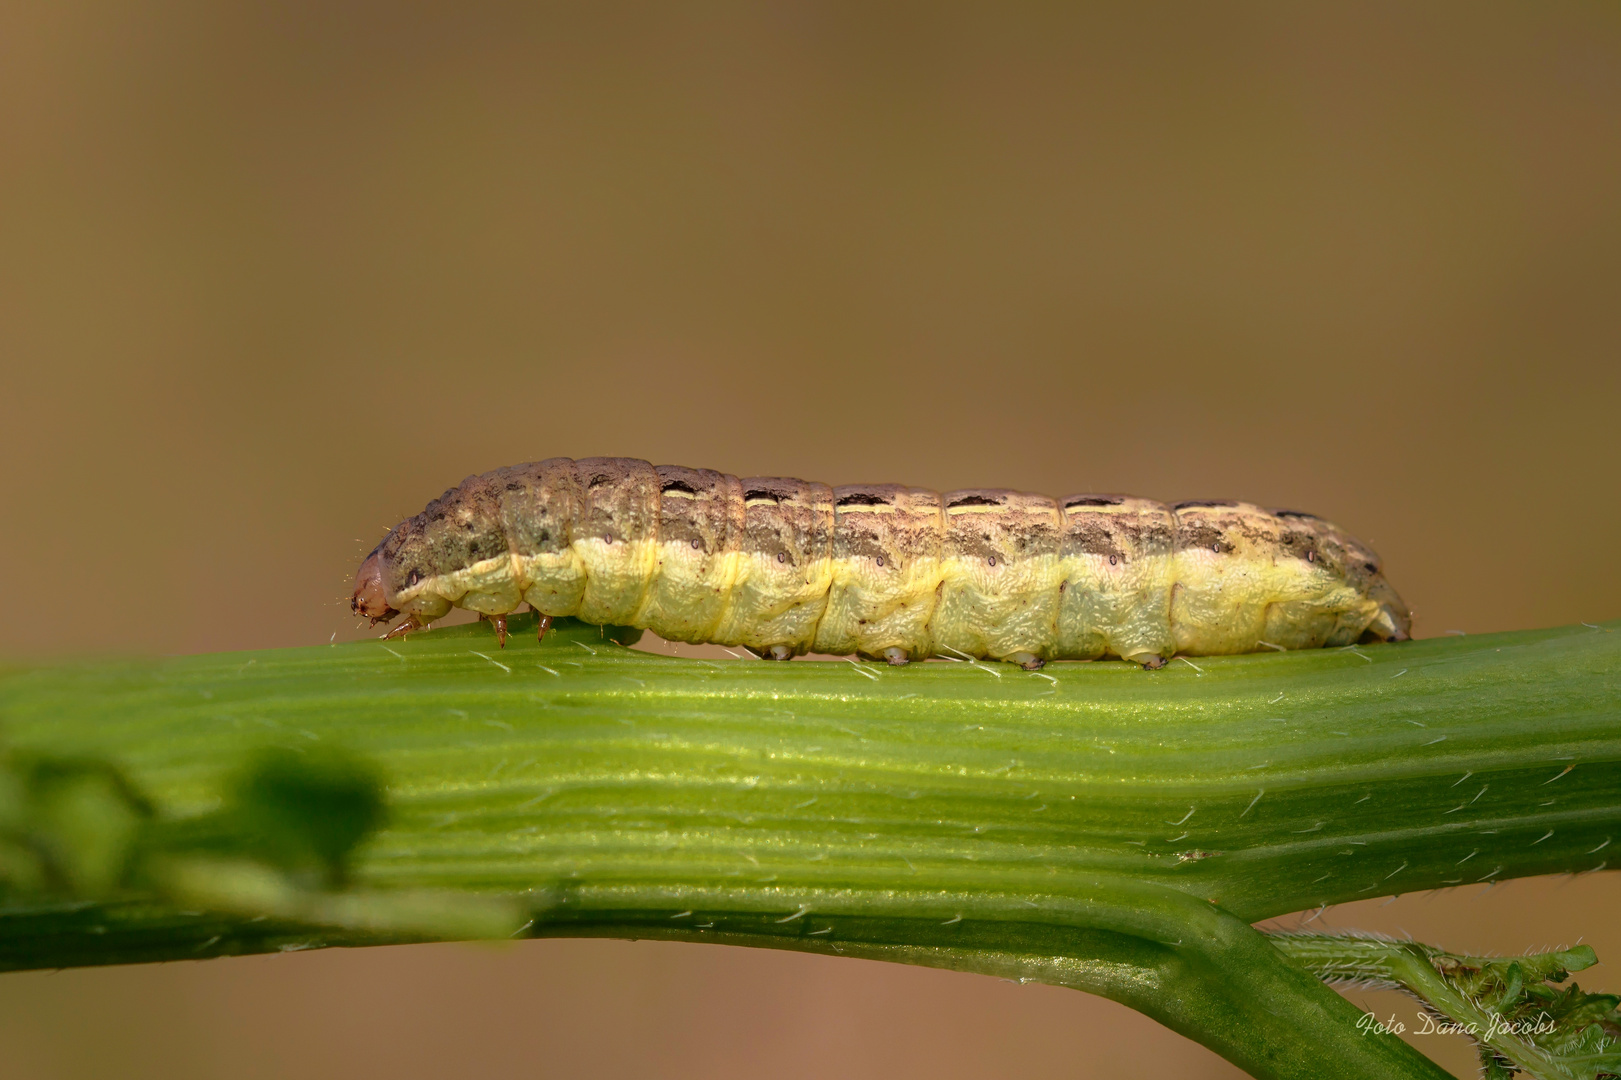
[273, 275]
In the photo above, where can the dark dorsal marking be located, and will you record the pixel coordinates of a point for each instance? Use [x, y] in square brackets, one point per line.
[974, 500]
[599, 479]
[1195, 503]
[1094, 500]
[757, 493]
[862, 499]
[678, 485]
[1296, 514]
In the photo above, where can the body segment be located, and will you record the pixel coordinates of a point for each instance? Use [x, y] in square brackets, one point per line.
[785, 567]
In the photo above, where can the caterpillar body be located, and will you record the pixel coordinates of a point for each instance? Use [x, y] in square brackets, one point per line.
[784, 567]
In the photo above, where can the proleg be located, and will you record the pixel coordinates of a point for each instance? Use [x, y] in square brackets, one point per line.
[784, 567]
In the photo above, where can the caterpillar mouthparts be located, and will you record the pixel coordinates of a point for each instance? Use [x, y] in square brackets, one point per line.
[784, 567]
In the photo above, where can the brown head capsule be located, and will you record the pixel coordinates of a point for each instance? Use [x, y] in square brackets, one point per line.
[370, 599]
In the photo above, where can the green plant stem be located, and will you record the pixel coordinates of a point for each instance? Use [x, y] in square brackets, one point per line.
[1079, 816]
[1218, 981]
[1422, 971]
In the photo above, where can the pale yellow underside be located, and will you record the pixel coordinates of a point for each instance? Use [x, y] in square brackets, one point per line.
[1078, 607]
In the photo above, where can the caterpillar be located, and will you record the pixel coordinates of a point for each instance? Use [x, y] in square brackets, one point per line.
[783, 567]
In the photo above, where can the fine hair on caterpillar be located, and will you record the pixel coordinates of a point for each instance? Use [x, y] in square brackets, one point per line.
[784, 567]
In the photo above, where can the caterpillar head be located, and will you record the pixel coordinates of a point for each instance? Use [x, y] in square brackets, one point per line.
[398, 577]
[371, 597]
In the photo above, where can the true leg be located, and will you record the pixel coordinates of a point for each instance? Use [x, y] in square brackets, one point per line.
[411, 623]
